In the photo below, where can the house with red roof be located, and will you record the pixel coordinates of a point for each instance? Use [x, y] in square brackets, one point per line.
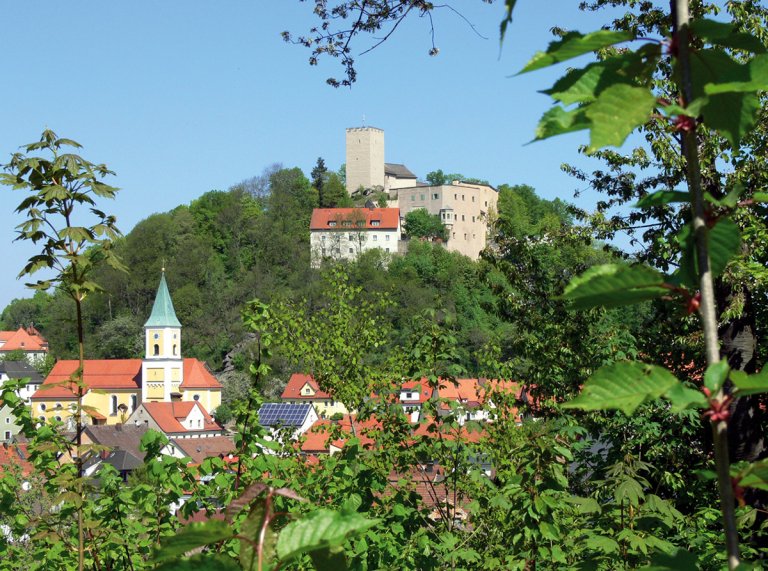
[112, 389]
[345, 233]
[26, 340]
[302, 388]
[176, 419]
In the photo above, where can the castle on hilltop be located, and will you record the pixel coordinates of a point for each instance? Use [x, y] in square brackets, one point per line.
[466, 209]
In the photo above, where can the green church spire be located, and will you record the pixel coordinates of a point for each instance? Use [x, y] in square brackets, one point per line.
[163, 314]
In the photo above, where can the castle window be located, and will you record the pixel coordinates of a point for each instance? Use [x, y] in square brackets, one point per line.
[473, 219]
[486, 203]
[156, 350]
[473, 199]
[113, 405]
[462, 197]
[462, 218]
[435, 196]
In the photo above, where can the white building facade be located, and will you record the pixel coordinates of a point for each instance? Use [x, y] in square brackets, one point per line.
[345, 233]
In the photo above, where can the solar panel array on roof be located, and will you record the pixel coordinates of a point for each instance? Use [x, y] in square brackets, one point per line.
[283, 413]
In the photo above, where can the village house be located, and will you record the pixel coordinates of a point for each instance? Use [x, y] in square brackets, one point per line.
[303, 388]
[176, 419]
[114, 388]
[296, 418]
[26, 341]
[14, 370]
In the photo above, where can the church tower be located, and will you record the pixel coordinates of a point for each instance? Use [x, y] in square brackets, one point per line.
[162, 369]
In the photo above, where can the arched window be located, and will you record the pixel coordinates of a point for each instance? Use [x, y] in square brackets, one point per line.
[174, 349]
[58, 406]
[134, 402]
[113, 405]
[156, 350]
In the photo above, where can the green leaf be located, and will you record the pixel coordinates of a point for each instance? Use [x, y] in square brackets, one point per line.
[750, 384]
[725, 35]
[732, 115]
[683, 398]
[557, 121]
[755, 78]
[192, 536]
[755, 476]
[200, 563]
[679, 560]
[616, 113]
[715, 375]
[612, 285]
[250, 528]
[573, 45]
[602, 544]
[723, 240]
[321, 529]
[760, 196]
[509, 6]
[661, 197]
[328, 560]
[623, 386]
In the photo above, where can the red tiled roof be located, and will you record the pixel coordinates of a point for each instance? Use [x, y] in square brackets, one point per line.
[116, 374]
[419, 387]
[316, 439]
[197, 376]
[296, 383]
[198, 449]
[334, 218]
[15, 455]
[168, 415]
[23, 340]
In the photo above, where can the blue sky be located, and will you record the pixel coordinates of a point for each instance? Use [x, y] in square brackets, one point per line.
[182, 97]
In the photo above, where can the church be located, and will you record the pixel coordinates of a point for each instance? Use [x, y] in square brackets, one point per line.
[114, 388]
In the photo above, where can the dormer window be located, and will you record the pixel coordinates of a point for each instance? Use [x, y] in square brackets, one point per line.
[347, 223]
[332, 223]
[375, 222]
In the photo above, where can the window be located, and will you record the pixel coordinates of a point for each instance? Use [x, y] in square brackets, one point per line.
[486, 203]
[174, 350]
[351, 237]
[57, 418]
[7, 435]
[413, 197]
[134, 402]
[196, 398]
[422, 196]
[375, 222]
[157, 336]
[199, 423]
[455, 196]
[332, 223]
[347, 223]
[435, 196]
[41, 418]
[386, 238]
[462, 197]
[58, 406]
[360, 224]
[473, 199]
[42, 407]
[156, 350]
[375, 238]
[454, 235]
[474, 236]
[113, 405]
[322, 238]
[7, 420]
[387, 248]
[465, 235]
[473, 219]
[351, 250]
[462, 218]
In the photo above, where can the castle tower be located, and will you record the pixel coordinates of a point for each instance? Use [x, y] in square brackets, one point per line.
[365, 158]
[162, 368]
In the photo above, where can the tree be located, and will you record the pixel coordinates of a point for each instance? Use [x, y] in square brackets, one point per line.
[59, 185]
[421, 224]
[436, 178]
[318, 176]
